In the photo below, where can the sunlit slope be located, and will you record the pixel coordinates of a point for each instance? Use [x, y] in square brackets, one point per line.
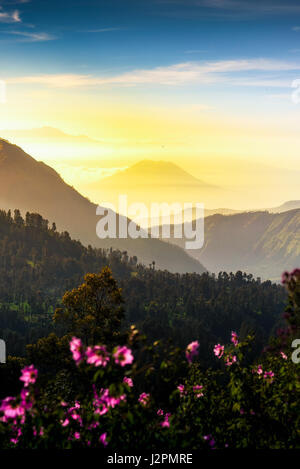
[30, 185]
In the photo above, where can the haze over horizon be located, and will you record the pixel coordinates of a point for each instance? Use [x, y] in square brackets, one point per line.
[212, 94]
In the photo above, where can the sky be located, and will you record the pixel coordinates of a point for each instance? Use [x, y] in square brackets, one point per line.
[206, 84]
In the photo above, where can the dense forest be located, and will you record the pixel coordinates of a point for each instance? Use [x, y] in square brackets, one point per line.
[38, 264]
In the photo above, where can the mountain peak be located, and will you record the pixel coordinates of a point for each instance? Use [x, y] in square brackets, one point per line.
[150, 172]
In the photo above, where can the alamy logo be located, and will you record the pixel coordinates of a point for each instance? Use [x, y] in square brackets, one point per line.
[2, 351]
[296, 353]
[111, 225]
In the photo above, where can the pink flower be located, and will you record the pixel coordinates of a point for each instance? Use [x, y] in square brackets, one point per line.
[18, 434]
[75, 415]
[26, 402]
[40, 433]
[123, 356]
[230, 360]
[101, 409]
[192, 351]
[283, 355]
[285, 277]
[77, 350]
[77, 436]
[104, 401]
[219, 350]
[269, 376]
[234, 338]
[165, 423]
[128, 381]
[10, 409]
[103, 439]
[160, 412]
[29, 375]
[210, 440]
[196, 389]
[181, 389]
[97, 355]
[258, 370]
[290, 277]
[144, 399]
[93, 425]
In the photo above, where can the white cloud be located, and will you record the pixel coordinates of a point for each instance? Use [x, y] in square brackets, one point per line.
[9, 17]
[239, 6]
[263, 83]
[268, 6]
[32, 37]
[283, 96]
[101, 30]
[55, 80]
[179, 74]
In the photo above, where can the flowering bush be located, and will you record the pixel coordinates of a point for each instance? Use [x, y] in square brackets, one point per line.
[238, 405]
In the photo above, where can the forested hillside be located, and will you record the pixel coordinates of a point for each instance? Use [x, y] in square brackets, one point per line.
[38, 264]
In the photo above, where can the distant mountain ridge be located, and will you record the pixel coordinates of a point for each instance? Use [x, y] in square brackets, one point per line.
[33, 186]
[262, 243]
[47, 133]
[285, 207]
[290, 205]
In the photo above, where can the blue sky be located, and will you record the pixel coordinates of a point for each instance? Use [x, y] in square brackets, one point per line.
[117, 35]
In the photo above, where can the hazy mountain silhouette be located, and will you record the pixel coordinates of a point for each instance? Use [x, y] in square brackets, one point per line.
[285, 207]
[290, 205]
[46, 133]
[148, 172]
[260, 243]
[153, 181]
[33, 186]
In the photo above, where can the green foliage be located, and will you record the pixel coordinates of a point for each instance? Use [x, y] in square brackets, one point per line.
[93, 310]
